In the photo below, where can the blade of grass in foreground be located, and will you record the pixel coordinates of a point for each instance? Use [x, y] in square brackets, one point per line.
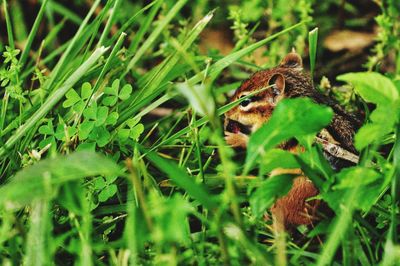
[182, 180]
[37, 245]
[340, 227]
[30, 183]
[52, 100]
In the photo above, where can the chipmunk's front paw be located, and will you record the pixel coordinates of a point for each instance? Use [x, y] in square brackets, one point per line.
[236, 139]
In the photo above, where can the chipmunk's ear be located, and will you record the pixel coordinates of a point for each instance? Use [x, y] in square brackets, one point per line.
[292, 60]
[277, 81]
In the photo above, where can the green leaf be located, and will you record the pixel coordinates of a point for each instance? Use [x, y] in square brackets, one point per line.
[277, 158]
[123, 134]
[132, 122]
[91, 112]
[72, 98]
[110, 100]
[102, 113]
[101, 136]
[136, 131]
[87, 146]
[372, 87]
[199, 97]
[111, 178]
[268, 192]
[50, 140]
[355, 176]
[30, 183]
[381, 125]
[112, 119]
[62, 130]
[364, 179]
[47, 129]
[86, 90]
[79, 106]
[291, 118]
[85, 129]
[125, 92]
[113, 90]
[171, 216]
[368, 134]
[107, 192]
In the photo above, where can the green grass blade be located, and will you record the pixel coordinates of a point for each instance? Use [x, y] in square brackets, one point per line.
[9, 26]
[144, 27]
[339, 228]
[312, 43]
[182, 180]
[228, 60]
[37, 244]
[63, 60]
[32, 34]
[65, 12]
[53, 99]
[109, 23]
[213, 70]
[154, 35]
[151, 89]
[18, 18]
[125, 27]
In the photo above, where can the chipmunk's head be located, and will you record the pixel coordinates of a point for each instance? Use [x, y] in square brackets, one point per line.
[285, 80]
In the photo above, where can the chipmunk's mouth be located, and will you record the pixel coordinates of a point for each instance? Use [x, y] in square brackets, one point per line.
[235, 127]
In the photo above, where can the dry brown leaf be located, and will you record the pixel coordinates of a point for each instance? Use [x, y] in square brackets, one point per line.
[348, 40]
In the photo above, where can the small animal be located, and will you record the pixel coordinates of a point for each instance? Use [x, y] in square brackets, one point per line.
[288, 80]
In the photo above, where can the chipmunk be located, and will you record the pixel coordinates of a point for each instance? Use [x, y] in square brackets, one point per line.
[288, 80]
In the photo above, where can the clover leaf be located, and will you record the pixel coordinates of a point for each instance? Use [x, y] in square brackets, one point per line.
[62, 131]
[76, 101]
[94, 117]
[134, 130]
[114, 93]
[106, 187]
[48, 131]
[100, 135]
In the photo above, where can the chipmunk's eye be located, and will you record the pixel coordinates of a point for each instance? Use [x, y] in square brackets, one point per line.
[246, 102]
